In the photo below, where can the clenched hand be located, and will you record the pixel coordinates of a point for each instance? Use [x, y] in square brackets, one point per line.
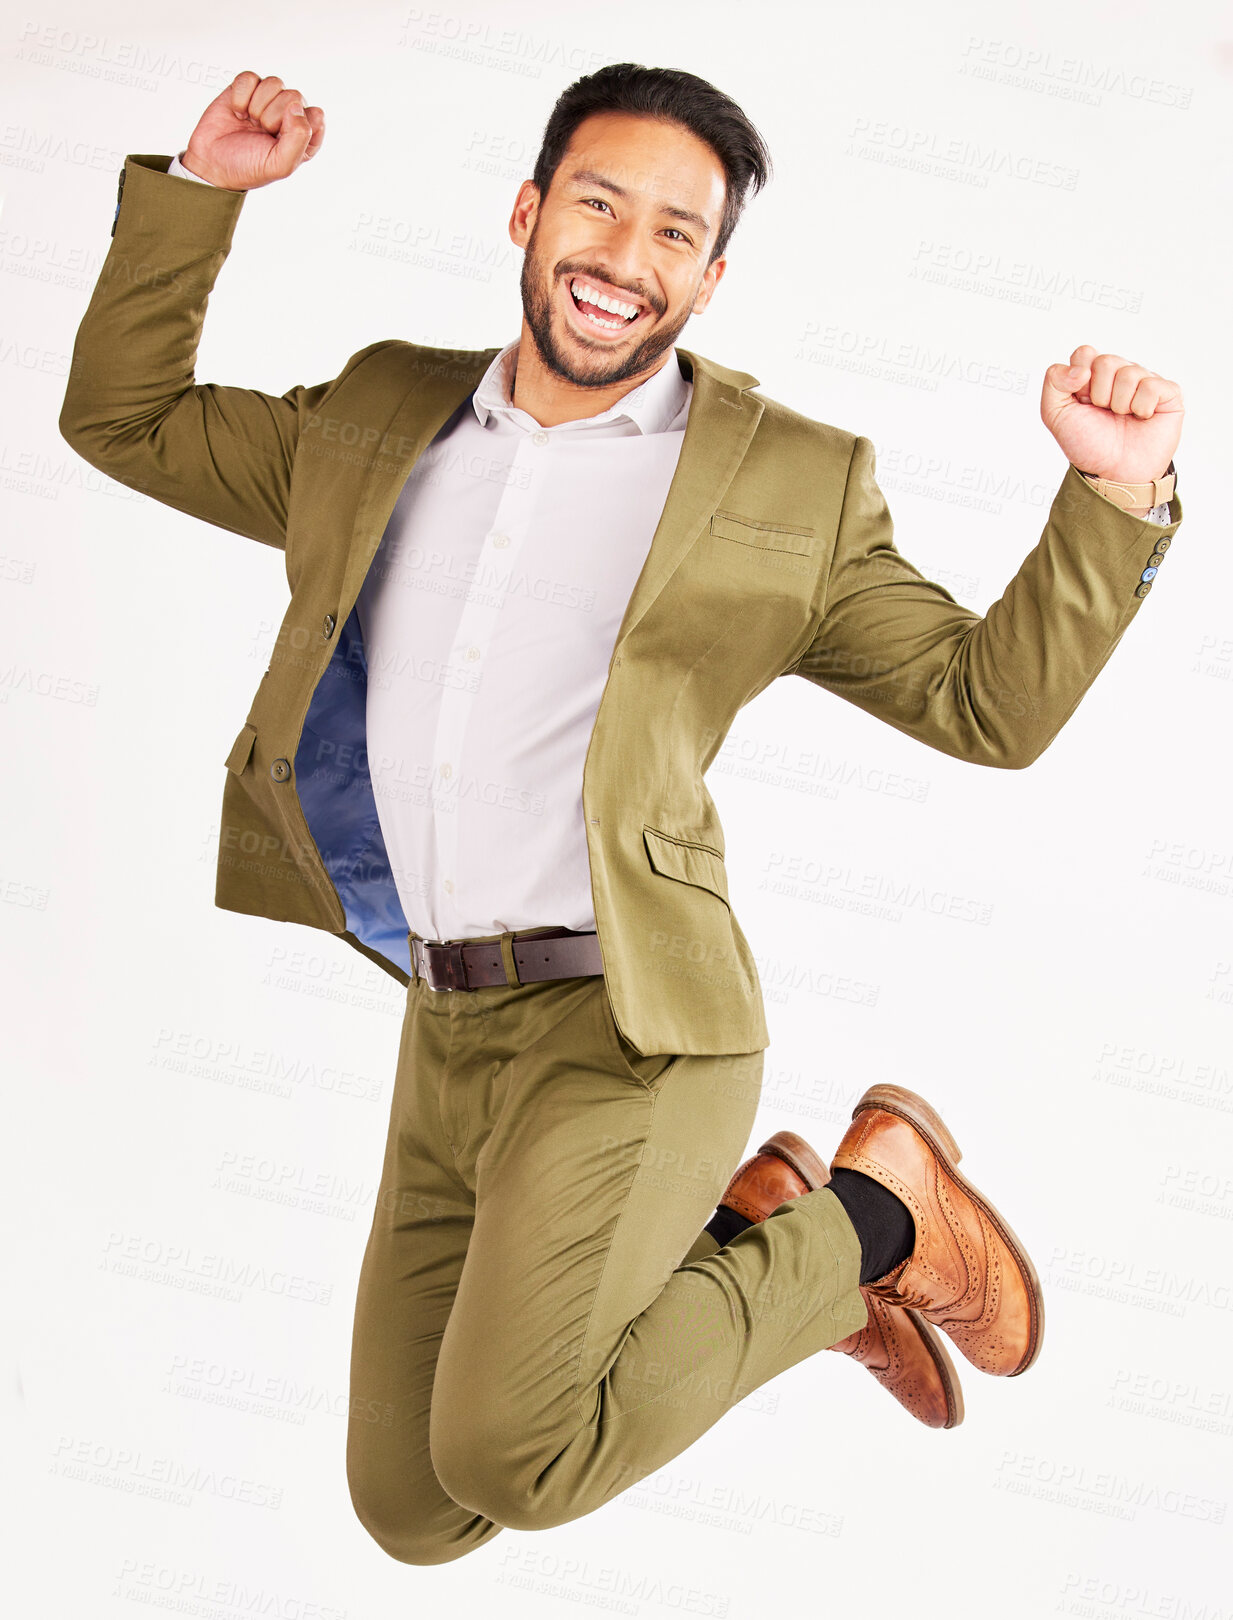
[1111, 416]
[253, 132]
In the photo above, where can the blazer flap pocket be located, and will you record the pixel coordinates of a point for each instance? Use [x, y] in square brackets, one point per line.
[686, 862]
[241, 750]
[766, 536]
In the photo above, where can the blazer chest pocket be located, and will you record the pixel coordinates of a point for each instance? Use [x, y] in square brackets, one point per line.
[764, 537]
[698, 864]
[241, 750]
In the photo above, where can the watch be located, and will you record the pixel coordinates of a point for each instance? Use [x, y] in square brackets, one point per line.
[1131, 496]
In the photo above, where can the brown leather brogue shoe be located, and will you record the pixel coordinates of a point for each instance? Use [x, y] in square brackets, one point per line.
[908, 1358]
[900, 1349]
[968, 1273]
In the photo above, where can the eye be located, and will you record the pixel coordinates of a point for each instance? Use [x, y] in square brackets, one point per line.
[680, 235]
[598, 200]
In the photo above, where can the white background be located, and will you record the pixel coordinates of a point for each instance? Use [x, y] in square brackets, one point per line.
[1078, 1039]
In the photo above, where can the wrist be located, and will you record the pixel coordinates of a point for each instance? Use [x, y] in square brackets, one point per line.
[194, 168]
[178, 166]
[1136, 497]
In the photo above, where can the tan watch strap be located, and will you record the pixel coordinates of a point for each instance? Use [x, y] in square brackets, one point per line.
[1135, 495]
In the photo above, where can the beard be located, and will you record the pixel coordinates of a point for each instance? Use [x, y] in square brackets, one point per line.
[607, 365]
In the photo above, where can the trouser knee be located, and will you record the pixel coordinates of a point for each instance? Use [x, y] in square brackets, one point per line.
[413, 1535]
[483, 1470]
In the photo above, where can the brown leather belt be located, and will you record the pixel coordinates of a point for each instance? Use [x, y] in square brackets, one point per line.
[547, 953]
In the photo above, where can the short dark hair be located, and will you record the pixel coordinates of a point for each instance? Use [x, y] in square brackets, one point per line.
[676, 97]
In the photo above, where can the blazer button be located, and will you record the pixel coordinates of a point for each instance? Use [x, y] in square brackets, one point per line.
[327, 626]
[280, 770]
[1155, 560]
[1164, 543]
[1142, 590]
[1148, 573]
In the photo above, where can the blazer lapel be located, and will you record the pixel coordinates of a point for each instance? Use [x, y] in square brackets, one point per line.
[431, 400]
[721, 422]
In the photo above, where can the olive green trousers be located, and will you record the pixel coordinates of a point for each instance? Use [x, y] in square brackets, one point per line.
[541, 1320]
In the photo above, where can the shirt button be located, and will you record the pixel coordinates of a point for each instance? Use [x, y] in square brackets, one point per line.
[473, 652]
[449, 885]
[500, 539]
[1142, 590]
[447, 769]
[539, 438]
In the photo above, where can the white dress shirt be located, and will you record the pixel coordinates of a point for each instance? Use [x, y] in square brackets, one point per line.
[489, 615]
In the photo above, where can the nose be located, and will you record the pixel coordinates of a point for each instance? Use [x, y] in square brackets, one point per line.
[625, 261]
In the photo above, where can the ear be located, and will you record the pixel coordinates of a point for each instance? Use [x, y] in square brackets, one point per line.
[522, 220]
[710, 280]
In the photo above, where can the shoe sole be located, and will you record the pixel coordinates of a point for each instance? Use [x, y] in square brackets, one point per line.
[916, 1111]
[795, 1151]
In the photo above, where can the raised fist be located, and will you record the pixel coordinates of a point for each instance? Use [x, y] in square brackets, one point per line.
[253, 132]
[1112, 416]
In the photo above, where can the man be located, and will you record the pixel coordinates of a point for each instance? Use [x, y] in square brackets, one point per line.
[531, 587]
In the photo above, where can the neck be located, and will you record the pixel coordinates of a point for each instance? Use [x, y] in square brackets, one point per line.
[551, 399]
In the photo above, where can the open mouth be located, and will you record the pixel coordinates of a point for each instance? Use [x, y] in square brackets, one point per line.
[600, 311]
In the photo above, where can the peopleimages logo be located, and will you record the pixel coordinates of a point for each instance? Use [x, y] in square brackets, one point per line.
[1071, 78]
[970, 161]
[1072, 1484]
[851, 349]
[116, 61]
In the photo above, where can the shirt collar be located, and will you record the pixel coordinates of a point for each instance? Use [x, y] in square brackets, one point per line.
[652, 407]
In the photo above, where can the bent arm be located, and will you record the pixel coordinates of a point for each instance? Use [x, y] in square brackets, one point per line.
[993, 689]
[132, 407]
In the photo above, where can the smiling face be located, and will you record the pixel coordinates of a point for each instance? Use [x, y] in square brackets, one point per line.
[617, 250]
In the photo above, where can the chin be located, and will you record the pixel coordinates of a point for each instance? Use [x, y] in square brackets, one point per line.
[587, 364]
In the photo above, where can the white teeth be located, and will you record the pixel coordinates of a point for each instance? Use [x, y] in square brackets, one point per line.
[589, 295]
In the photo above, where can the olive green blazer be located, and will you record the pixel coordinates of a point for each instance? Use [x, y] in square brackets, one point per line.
[773, 556]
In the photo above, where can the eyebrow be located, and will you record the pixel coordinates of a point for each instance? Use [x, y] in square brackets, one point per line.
[590, 177]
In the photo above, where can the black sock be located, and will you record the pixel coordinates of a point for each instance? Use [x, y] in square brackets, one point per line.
[883, 1224]
[725, 1223]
